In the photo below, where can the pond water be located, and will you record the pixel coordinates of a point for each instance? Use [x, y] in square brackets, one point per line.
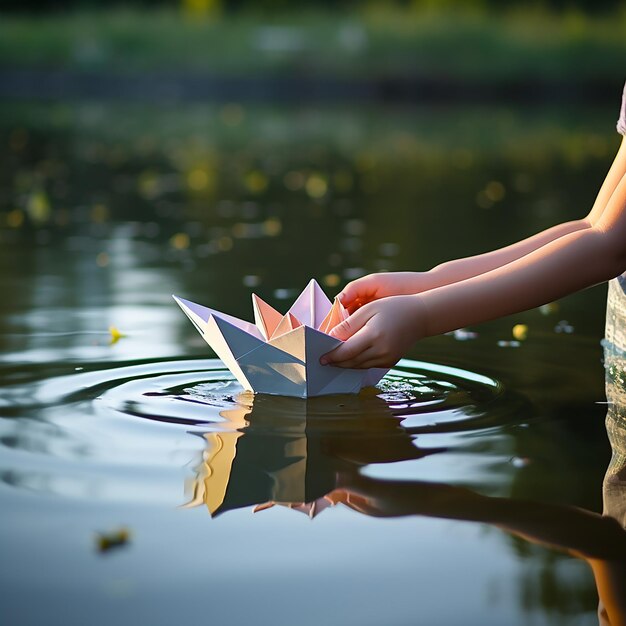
[140, 483]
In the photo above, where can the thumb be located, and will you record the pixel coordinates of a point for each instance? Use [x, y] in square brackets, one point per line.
[347, 294]
[355, 290]
[350, 325]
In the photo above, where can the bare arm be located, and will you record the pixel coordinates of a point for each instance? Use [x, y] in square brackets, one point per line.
[568, 264]
[462, 269]
[380, 332]
[375, 286]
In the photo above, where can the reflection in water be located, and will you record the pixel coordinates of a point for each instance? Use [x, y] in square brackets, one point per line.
[307, 455]
[145, 202]
[297, 453]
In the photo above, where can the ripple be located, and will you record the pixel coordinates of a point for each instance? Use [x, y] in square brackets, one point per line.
[128, 428]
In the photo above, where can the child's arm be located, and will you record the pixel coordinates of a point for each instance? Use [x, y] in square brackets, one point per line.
[376, 286]
[379, 333]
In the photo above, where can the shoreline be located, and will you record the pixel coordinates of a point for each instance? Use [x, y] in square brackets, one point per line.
[185, 86]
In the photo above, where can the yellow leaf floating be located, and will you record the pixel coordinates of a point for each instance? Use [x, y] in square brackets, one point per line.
[38, 207]
[116, 335]
[180, 241]
[115, 539]
[520, 332]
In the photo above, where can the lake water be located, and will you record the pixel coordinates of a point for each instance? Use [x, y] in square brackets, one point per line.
[141, 484]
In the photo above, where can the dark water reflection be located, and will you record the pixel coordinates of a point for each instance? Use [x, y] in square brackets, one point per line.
[106, 211]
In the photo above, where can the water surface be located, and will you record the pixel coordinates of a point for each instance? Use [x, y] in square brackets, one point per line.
[233, 507]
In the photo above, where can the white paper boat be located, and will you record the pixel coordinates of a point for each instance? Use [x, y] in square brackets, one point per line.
[280, 354]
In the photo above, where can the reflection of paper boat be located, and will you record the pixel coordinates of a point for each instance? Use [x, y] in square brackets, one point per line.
[283, 451]
[280, 353]
[267, 463]
[240, 471]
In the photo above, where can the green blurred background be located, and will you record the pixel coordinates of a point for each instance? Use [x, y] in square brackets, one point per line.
[446, 41]
[252, 145]
[211, 149]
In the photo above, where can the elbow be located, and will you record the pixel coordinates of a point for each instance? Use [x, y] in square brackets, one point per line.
[615, 254]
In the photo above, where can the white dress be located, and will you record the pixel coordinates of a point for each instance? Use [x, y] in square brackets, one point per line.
[615, 364]
[614, 487]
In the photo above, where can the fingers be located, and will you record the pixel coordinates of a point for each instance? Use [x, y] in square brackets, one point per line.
[349, 293]
[356, 357]
[359, 345]
[361, 351]
[354, 306]
[378, 361]
[348, 351]
[351, 325]
[358, 292]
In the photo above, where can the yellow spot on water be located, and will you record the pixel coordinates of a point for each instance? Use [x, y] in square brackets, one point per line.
[495, 191]
[113, 539]
[200, 9]
[331, 280]
[15, 218]
[272, 226]
[520, 332]
[316, 186]
[180, 241]
[116, 335]
[38, 206]
[256, 181]
[200, 179]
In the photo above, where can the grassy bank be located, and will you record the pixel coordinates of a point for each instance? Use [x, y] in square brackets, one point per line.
[520, 46]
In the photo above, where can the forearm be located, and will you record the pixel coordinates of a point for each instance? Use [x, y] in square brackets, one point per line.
[572, 262]
[462, 269]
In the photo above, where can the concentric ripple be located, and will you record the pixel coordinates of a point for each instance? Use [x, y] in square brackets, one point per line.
[136, 430]
[426, 394]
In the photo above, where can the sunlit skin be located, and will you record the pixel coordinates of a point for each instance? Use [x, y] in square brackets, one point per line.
[390, 312]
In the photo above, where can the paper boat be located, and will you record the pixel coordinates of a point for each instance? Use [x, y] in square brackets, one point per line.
[280, 354]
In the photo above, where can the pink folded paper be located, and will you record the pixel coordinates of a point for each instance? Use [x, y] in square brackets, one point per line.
[279, 354]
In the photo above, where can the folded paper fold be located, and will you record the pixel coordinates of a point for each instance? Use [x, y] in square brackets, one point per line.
[280, 354]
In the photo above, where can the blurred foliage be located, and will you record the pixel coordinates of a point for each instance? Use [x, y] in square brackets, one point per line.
[234, 188]
[214, 6]
[375, 41]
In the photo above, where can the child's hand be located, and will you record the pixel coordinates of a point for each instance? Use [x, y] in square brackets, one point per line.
[360, 292]
[378, 334]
